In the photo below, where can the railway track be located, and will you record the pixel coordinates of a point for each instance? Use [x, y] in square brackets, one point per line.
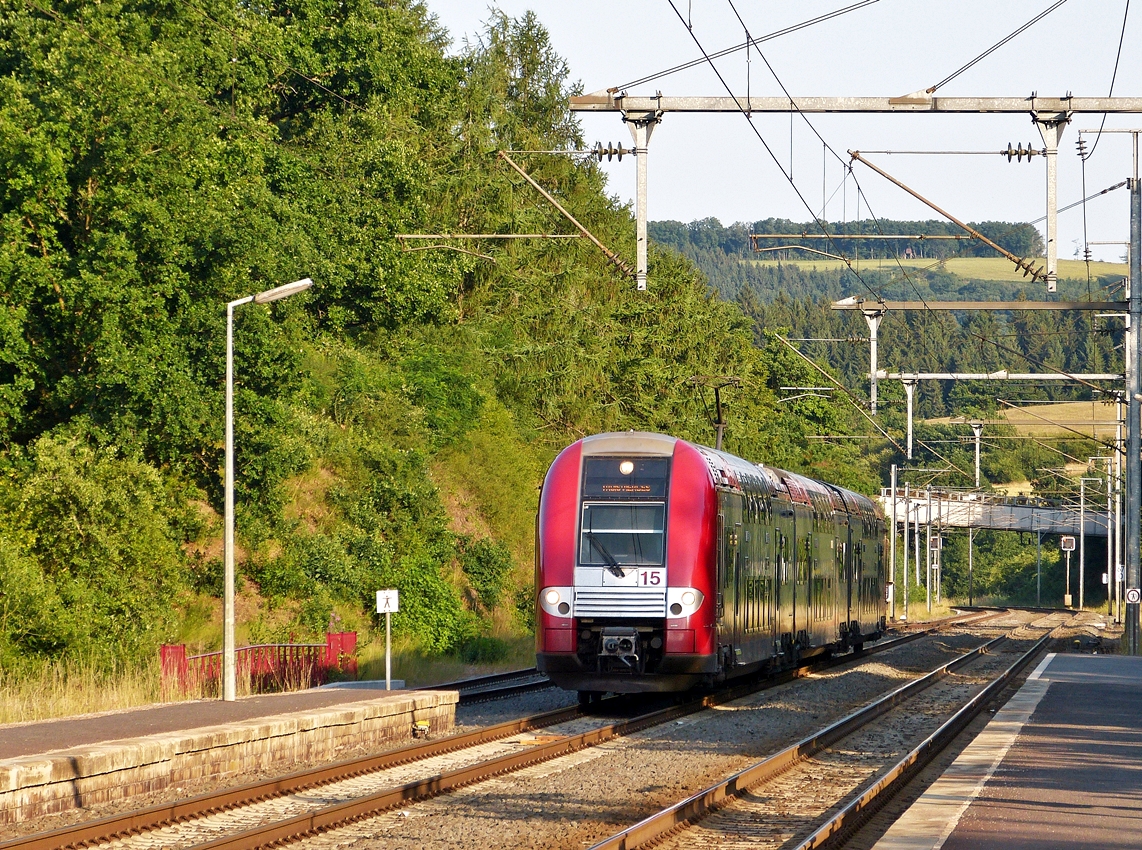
[497, 685]
[826, 785]
[316, 800]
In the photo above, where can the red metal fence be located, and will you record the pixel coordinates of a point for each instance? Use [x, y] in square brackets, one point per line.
[264, 667]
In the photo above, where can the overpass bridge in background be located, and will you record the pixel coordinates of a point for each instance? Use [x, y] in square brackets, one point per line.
[951, 509]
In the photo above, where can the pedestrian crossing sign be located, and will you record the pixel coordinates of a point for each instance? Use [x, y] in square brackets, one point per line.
[388, 601]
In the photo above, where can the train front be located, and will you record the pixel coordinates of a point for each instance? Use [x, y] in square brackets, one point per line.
[625, 555]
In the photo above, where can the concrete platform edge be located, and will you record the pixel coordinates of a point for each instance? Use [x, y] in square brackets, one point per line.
[931, 819]
[32, 786]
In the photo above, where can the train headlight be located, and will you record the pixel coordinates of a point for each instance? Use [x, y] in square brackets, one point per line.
[626, 467]
[683, 601]
[556, 601]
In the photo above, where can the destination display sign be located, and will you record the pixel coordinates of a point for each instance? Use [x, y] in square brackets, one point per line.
[626, 477]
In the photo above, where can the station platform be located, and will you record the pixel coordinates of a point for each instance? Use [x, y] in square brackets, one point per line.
[57, 765]
[1057, 768]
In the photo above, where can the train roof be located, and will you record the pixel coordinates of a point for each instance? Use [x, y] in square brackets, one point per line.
[732, 472]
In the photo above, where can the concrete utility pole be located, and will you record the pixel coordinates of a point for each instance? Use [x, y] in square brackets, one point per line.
[977, 429]
[904, 571]
[874, 318]
[1119, 566]
[928, 558]
[892, 548]
[1134, 421]
[1051, 126]
[909, 389]
[641, 125]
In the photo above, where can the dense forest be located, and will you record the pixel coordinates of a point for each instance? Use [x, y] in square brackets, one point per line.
[393, 423]
[797, 298]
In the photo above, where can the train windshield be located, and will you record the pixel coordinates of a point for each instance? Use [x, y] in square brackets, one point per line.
[617, 534]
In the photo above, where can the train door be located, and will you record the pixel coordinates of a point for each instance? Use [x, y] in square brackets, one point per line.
[783, 537]
[729, 569]
[719, 579]
[851, 540]
[802, 619]
[769, 577]
[819, 585]
[839, 589]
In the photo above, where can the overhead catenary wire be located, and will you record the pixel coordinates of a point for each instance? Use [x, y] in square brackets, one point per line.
[948, 153]
[847, 166]
[1113, 77]
[1090, 437]
[858, 404]
[765, 144]
[848, 394]
[996, 46]
[1108, 189]
[749, 41]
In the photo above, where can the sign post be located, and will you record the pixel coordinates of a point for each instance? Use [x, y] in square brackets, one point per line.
[388, 603]
[1067, 544]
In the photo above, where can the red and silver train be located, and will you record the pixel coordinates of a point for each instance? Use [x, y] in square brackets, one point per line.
[662, 565]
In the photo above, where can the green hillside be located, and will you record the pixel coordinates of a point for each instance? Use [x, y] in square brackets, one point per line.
[394, 423]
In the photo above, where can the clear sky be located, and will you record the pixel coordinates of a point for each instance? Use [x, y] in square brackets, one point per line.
[714, 165]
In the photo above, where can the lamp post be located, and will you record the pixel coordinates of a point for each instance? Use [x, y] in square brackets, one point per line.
[229, 670]
[904, 571]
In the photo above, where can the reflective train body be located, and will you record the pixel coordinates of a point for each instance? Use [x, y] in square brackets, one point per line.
[662, 565]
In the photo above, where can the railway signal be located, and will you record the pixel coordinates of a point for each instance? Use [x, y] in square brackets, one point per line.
[1067, 544]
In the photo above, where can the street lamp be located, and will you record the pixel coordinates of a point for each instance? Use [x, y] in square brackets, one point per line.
[229, 671]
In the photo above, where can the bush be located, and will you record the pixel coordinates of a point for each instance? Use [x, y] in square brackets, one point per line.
[92, 560]
[486, 563]
[483, 650]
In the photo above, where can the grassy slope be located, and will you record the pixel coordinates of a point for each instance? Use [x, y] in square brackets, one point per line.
[1057, 419]
[972, 268]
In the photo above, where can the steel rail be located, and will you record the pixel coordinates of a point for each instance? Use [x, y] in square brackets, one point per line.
[105, 829]
[481, 681]
[881, 789]
[153, 817]
[341, 814]
[504, 691]
[493, 687]
[716, 796]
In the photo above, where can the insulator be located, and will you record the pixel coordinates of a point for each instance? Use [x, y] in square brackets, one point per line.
[1081, 145]
[1020, 152]
[610, 151]
[1086, 253]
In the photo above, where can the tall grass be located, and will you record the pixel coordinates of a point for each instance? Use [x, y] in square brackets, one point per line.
[419, 669]
[64, 689]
